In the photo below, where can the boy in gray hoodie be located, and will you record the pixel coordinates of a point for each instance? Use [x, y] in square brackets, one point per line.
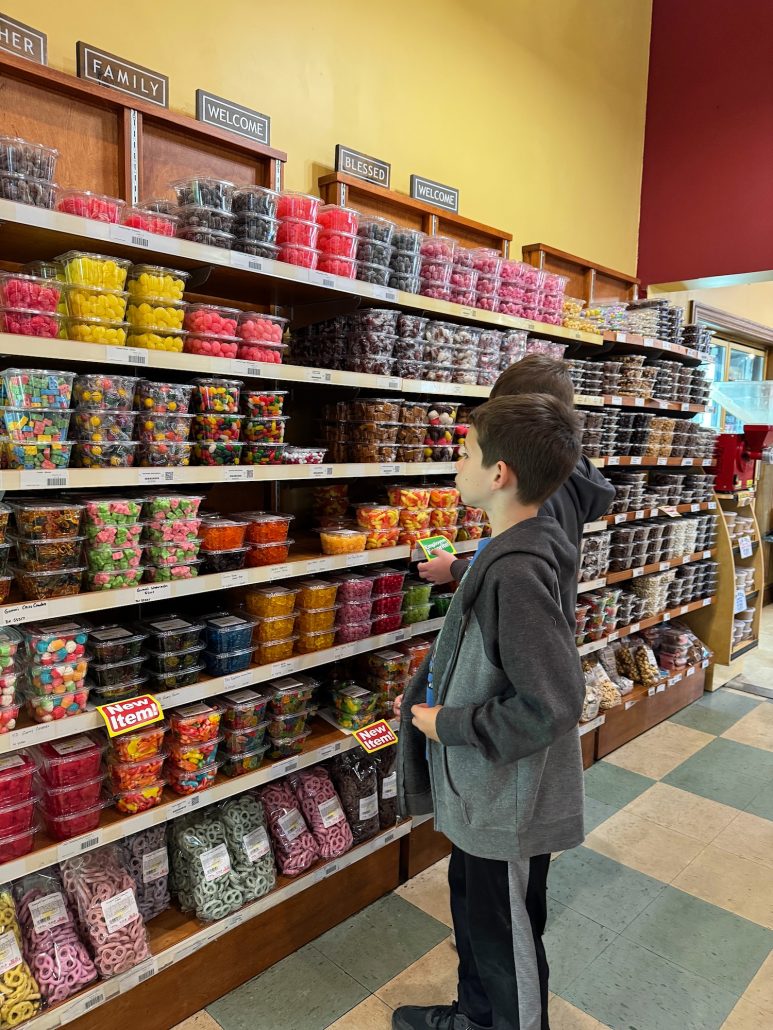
[583, 497]
[489, 725]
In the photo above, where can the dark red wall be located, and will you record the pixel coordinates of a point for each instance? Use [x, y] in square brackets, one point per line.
[707, 186]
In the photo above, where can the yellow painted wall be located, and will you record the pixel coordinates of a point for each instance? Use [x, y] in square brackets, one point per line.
[533, 108]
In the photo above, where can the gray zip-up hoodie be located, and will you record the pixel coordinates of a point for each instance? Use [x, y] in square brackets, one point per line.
[506, 780]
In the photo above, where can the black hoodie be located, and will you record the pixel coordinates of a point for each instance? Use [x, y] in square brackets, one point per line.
[505, 781]
[584, 497]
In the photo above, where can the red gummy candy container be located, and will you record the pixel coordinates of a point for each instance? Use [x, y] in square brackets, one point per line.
[29, 292]
[150, 221]
[71, 800]
[298, 205]
[91, 205]
[297, 230]
[16, 817]
[62, 763]
[212, 344]
[338, 219]
[255, 327]
[209, 318]
[16, 772]
[295, 254]
[346, 267]
[44, 324]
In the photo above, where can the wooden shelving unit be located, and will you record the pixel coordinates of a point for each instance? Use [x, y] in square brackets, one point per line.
[716, 628]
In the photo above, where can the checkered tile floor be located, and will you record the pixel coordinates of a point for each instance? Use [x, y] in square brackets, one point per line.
[663, 920]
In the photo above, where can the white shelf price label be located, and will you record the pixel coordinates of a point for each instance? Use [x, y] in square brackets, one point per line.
[329, 750]
[246, 261]
[238, 679]
[317, 565]
[330, 868]
[237, 578]
[131, 237]
[320, 471]
[44, 480]
[282, 571]
[686, 462]
[739, 603]
[636, 459]
[283, 668]
[661, 687]
[616, 400]
[745, 546]
[126, 356]
[390, 470]
[238, 473]
[71, 848]
[152, 592]
[320, 375]
[27, 611]
[83, 1005]
[662, 461]
[155, 477]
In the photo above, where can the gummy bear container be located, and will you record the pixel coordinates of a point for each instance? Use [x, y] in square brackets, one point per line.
[64, 763]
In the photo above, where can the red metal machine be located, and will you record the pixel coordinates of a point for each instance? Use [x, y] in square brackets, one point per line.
[737, 454]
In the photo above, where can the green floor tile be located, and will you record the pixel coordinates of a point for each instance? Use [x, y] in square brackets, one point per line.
[701, 938]
[613, 785]
[381, 941]
[572, 942]
[305, 991]
[725, 771]
[629, 988]
[596, 812]
[762, 804]
[600, 888]
[715, 713]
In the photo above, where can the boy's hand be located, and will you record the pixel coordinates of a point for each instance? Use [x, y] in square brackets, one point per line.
[424, 718]
[397, 706]
[438, 570]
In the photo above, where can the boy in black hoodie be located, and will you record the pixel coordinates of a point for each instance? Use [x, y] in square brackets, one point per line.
[489, 725]
[584, 497]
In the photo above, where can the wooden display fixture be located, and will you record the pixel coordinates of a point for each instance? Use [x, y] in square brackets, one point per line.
[422, 848]
[587, 279]
[113, 143]
[340, 188]
[715, 626]
[643, 709]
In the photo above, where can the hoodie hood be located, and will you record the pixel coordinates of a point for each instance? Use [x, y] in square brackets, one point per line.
[541, 537]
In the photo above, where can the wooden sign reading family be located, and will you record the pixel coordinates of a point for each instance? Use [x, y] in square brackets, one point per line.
[108, 70]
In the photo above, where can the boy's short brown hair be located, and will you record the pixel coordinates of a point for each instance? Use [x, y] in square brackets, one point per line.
[536, 373]
[536, 435]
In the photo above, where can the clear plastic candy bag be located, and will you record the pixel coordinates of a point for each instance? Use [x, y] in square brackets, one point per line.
[52, 946]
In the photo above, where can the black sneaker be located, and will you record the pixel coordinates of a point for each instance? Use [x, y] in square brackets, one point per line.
[432, 1017]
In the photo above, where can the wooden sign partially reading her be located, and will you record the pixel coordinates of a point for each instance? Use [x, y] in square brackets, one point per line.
[22, 40]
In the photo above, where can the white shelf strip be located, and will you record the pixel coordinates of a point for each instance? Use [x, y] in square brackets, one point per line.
[94, 997]
[204, 475]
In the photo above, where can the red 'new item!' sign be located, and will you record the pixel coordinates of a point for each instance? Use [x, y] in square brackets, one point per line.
[125, 716]
[376, 736]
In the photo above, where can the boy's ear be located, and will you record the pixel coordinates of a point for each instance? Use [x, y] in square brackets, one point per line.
[504, 478]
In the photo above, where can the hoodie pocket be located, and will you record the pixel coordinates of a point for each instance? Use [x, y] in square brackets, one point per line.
[486, 795]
